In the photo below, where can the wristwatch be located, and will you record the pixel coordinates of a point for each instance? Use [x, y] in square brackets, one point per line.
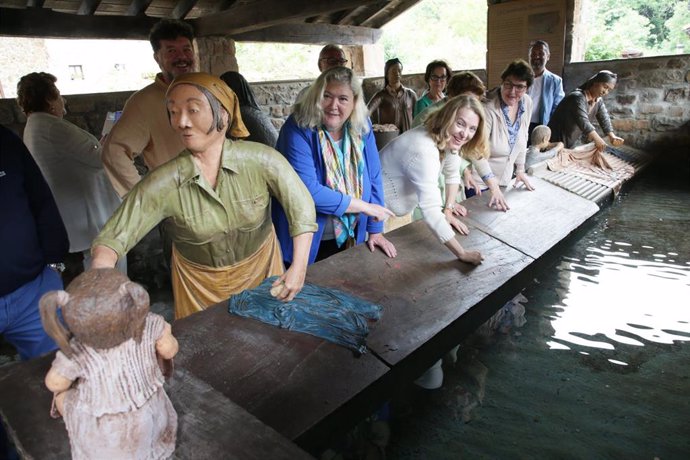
[58, 267]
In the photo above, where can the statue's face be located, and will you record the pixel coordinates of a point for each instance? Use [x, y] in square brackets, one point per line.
[394, 74]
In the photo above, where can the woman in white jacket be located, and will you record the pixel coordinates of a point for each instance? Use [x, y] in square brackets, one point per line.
[70, 159]
[508, 112]
[411, 164]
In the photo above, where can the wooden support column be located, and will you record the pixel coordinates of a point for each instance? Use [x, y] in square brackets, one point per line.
[217, 54]
[365, 60]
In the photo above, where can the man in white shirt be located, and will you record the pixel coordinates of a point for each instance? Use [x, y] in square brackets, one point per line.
[547, 89]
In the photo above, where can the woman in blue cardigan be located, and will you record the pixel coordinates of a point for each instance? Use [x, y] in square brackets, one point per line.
[329, 142]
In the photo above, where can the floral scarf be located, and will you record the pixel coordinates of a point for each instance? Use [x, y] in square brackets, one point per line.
[344, 173]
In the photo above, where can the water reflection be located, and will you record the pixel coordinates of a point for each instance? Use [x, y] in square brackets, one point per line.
[620, 294]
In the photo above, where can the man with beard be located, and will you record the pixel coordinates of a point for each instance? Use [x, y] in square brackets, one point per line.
[143, 128]
[547, 90]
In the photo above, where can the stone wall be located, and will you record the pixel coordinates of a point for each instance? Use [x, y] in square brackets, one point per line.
[88, 111]
[650, 106]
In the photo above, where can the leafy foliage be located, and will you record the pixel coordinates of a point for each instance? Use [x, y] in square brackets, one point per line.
[438, 29]
[677, 36]
[649, 26]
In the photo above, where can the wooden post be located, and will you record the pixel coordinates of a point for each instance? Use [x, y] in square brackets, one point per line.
[217, 54]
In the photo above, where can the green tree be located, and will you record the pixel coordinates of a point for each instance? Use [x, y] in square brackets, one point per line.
[676, 25]
[438, 29]
[645, 25]
[658, 12]
[615, 29]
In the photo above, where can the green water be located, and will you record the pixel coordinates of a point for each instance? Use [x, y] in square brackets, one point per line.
[598, 366]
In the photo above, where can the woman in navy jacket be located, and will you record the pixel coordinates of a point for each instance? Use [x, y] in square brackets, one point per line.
[329, 142]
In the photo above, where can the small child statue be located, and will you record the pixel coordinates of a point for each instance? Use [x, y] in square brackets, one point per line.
[557, 157]
[541, 148]
[106, 378]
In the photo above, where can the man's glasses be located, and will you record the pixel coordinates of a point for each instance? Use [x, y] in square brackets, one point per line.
[510, 86]
[438, 77]
[334, 61]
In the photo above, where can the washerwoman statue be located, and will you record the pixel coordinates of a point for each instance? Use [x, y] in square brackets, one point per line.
[395, 103]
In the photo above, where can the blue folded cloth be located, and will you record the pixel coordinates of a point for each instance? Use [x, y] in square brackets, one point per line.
[327, 313]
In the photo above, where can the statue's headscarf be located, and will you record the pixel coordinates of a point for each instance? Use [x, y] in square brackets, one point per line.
[220, 90]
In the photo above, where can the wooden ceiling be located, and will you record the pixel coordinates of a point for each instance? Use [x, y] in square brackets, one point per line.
[347, 22]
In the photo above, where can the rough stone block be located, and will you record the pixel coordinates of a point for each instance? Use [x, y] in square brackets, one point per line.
[642, 124]
[278, 123]
[81, 103]
[19, 116]
[675, 95]
[81, 122]
[650, 65]
[651, 108]
[623, 124]
[673, 76]
[626, 86]
[651, 95]
[6, 114]
[277, 111]
[626, 99]
[675, 111]
[621, 111]
[665, 123]
[676, 63]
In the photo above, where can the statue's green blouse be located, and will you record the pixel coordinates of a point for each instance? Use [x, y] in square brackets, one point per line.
[211, 227]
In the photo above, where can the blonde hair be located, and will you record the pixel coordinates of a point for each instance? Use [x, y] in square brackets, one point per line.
[309, 113]
[440, 122]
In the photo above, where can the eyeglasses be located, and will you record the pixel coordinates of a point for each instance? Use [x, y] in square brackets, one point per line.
[510, 86]
[334, 61]
[438, 77]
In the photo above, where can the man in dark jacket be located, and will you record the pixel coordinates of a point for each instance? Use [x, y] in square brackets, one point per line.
[33, 243]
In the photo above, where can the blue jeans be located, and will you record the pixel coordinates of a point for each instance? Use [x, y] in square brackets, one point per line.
[20, 320]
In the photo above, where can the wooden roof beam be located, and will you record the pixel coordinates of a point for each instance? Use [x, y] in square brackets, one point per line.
[45, 23]
[223, 5]
[183, 8]
[138, 7]
[88, 7]
[265, 13]
[361, 13]
[315, 33]
[388, 13]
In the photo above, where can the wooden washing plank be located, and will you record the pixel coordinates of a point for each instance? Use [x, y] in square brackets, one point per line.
[212, 426]
[423, 289]
[288, 380]
[209, 424]
[536, 221]
[25, 408]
